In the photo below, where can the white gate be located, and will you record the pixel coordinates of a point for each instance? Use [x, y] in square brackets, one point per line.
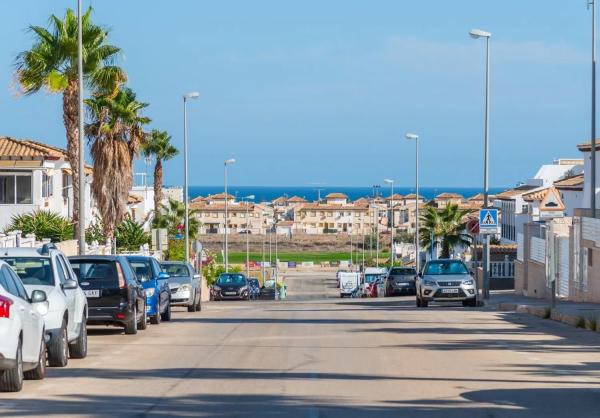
[563, 266]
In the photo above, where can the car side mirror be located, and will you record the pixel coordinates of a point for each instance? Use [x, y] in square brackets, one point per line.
[197, 276]
[70, 285]
[38, 296]
[163, 276]
[420, 274]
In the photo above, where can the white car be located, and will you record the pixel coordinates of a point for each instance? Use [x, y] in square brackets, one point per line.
[47, 269]
[22, 337]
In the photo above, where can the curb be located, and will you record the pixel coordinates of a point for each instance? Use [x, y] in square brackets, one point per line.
[545, 312]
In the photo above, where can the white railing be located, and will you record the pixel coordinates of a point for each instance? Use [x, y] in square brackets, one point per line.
[14, 239]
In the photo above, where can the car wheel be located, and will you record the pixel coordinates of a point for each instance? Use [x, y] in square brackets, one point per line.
[192, 307]
[131, 327]
[155, 319]
[143, 324]
[12, 380]
[418, 299]
[167, 315]
[78, 349]
[40, 370]
[424, 303]
[58, 349]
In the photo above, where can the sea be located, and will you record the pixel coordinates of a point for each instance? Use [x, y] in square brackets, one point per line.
[269, 193]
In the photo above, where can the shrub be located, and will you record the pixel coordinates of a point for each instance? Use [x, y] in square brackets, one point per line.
[130, 235]
[44, 225]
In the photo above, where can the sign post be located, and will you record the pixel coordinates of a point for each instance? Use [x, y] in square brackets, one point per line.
[488, 224]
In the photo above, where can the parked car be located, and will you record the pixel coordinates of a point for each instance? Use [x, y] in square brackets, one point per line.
[370, 282]
[400, 280]
[156, 283]
[184, 284]
[22, 335]
[254, 288]
[446, 280]
[47, 269]
[231, 286]
[115, 296]
[268, 291]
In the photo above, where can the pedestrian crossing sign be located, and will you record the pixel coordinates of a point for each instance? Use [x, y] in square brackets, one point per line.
[488, 220]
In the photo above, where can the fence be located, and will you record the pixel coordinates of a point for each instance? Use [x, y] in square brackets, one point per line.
[502, 274]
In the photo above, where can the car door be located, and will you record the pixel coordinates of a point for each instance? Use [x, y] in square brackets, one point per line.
[70, 296]
[195, 282]
[163, 285]
[30, 343]
[80, 298]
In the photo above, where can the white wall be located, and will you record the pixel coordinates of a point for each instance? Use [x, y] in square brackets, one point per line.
[587, 185]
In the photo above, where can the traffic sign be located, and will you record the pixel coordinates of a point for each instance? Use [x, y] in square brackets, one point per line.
[488, 221]
[473, 226]
[179, 236]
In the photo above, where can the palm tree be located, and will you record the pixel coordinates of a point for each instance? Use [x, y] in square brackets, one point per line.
[51, 64]
[158, 144]
[446, 227]
[116, 132]
[172, 218]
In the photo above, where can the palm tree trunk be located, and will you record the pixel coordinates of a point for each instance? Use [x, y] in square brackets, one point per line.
[71, 122]
[158, 180]
[445, 249]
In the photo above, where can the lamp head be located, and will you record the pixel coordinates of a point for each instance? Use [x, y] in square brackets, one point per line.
[388, 181]
[230, 161]
[191, 95]
[478, 33]
[412, 136]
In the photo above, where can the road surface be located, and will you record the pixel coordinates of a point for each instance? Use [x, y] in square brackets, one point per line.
[316, 355]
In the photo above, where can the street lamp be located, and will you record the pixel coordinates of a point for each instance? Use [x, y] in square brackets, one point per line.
[227, 162]
[391, 183]
[81, 165]
[186, 97]
[592, 4]
[478, 34]
[248, 199]
[415, 137]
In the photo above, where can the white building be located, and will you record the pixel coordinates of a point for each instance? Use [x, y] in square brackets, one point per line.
[587, 186]
[36, 176]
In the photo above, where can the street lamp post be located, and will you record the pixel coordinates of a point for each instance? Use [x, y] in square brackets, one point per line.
[391, 183]
[478, 34]
[186, 97]
[226, 256]
[415, 137]
[81, 165]
[592, 4]
[248, 199]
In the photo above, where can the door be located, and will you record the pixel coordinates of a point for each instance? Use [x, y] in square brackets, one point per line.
[163, 285]
[63, 276]
[563, 267]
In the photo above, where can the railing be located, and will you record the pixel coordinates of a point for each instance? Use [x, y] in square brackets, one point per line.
[498, 269]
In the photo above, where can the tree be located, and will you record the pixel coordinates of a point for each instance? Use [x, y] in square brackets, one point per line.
[43, 224]
[158, 145]
[130, 235]
[51, 64]
[446, 227]
[116, 132]
[172, 218]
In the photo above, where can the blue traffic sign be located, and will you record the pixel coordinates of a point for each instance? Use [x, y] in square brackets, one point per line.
[488, 219]
[178, 236]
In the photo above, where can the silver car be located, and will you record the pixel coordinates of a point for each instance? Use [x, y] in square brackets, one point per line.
[184, 284]
[446, 281]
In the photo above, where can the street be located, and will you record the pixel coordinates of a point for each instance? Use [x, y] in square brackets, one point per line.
[316, 355]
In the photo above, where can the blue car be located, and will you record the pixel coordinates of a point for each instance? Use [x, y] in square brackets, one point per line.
[156, 285]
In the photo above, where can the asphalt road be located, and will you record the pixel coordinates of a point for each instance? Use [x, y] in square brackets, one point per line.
[316, 355]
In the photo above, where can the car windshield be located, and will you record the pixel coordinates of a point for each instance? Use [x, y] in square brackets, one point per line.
[176, 270]
[440, 268]
[402, 271]
[142, 268]
[235, 279]
[370, 278]
[32, 270]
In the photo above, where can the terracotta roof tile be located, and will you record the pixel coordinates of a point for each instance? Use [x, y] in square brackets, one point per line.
[570, 183]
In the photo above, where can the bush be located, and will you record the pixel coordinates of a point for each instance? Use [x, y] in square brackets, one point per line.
[176, 250]
[130, 235]
[44, 225]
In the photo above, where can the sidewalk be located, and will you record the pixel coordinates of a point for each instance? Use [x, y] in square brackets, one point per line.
[577, 314]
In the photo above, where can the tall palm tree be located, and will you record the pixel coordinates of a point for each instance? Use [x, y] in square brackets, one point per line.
[158, 144]
[446, 227]
[116, 132]
[51, 64]
[172, 218]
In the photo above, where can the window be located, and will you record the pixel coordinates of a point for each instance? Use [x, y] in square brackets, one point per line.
[47, 185]
[20, 288]
[66, 185]
[15, 189]
[32, 270]
[62, 274]
[7, 282]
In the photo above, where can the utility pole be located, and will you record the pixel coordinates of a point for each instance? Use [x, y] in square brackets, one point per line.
[592, 4]
[81, 165]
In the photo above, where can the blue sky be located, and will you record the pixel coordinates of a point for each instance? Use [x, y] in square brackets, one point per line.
[323, 91]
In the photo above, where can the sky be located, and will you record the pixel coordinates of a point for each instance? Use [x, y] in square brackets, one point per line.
[320, 92]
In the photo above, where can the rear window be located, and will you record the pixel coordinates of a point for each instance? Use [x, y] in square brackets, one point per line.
[402, 271]
[35, 271]
[104, 271]
[176, 270]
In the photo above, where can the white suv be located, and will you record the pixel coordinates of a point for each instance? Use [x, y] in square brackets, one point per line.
[47, 269]
[22, 337]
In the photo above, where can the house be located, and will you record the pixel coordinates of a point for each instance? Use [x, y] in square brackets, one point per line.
[320, 218]
[36, 176]
[241, 216]
[336, 199]
[543, 204]
[586, 149]
[445, 199]
[571, 192]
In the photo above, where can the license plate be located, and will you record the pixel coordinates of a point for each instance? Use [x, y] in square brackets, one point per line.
[95, 293]
[449, 290]
[231, 293]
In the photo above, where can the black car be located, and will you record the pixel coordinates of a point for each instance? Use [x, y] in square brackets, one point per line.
[400, 280]
[231, 286]
[115, 296]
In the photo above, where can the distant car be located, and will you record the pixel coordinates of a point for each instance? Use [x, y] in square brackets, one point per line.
[22, 336]
[184, 284]
[268, 290]
[114, 294]
[156, 283]
[231, 286]
[400, 280]
[446, 281]
[370, 283]
[47, 269]
[254, 288]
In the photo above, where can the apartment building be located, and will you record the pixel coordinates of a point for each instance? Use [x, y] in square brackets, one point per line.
[335, 215]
